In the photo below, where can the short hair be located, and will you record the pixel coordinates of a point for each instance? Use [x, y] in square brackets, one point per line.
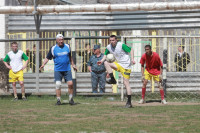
[87, 44]
[182, 46]
[34, 46]
[113, 36]
[14, 43]
[59, 36]
[149, 46]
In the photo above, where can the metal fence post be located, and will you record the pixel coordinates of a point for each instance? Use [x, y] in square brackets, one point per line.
[122, 85]
[74, 59]
[165, 65]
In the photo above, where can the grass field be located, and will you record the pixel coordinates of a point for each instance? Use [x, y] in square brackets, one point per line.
[97, 114]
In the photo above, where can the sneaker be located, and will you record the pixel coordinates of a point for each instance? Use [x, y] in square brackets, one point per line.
[24, 98]
[15, 99]
[128, 105]
[141, 101]
[111, 81]
[71, 102]
[58, 102]
[163, 101]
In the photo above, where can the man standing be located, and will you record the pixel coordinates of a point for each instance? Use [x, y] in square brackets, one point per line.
[182, 59]
[61, 55]
[122, 64]
[153, 69]
[98, 72]
[16, 57]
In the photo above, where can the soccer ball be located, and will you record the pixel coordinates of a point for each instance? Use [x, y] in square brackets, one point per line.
[110, 58]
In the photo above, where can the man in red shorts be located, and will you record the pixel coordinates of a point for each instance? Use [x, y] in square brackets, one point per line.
[153, 69]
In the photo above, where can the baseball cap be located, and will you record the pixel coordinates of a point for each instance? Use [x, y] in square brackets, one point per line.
[59, 36]
[96, 47]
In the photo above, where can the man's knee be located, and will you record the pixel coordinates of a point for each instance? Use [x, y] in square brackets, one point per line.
[160, 85]
[58, 85]
[70, 84]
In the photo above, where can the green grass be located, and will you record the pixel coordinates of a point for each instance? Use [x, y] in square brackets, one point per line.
[95, 114]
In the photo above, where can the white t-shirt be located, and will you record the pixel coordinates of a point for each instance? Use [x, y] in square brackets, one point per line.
[121, 56]
[16, 60]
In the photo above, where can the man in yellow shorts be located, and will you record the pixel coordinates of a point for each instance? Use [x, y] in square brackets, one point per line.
[122, 64]
[153, 69]
[16, 57]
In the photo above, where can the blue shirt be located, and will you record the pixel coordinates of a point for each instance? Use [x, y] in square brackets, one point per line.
[93, 63]
[61, 56]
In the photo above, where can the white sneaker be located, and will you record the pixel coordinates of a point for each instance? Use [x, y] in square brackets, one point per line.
[141, 101]
[163, 101]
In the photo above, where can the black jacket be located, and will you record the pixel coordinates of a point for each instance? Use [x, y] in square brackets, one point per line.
[182, 61]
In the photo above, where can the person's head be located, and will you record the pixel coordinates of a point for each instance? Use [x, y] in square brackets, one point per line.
[181, 48]
[96, 49]
[14, 46]
[148, 49]
[87, 46]
[113, 40]
[59, 39]
[34, 47]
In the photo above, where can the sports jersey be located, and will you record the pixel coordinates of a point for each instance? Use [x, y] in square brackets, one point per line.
[121, 53]
[61, 56]
[16, 60]
[153, 63]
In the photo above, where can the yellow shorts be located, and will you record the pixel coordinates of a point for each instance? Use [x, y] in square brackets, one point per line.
[14, 77]
[125, 72]
[149, 76]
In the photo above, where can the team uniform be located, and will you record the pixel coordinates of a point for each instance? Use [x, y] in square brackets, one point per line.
[123, 62]
[16, 62]
[152, 71]
[62, 66]
[153, 64]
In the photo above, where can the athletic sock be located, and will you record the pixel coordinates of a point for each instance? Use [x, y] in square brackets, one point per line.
[162, 94]
[58, 98]
[23, 95]
[143, 92]
[129, 98]
[15, 95]
[70, 96]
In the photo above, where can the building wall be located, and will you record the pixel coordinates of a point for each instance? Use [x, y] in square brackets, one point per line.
[2, 31]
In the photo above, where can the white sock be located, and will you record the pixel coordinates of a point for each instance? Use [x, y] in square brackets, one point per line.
[70, 96]
[58, 98]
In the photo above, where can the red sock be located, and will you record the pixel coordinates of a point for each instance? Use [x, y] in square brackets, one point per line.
[162, 94]
[143, 92]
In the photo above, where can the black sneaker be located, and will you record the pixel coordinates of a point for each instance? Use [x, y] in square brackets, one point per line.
[58, 102]
[128, 105]
[15, 99]
[111, 81]
[24, 98]
[71, 102]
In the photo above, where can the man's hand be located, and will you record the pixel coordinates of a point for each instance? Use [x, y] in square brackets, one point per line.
[74, 67]
[9, 67]
[161, 77]
[107, 75]
[99, 62]
[23, 68]
[133, 62]
[143, 78]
